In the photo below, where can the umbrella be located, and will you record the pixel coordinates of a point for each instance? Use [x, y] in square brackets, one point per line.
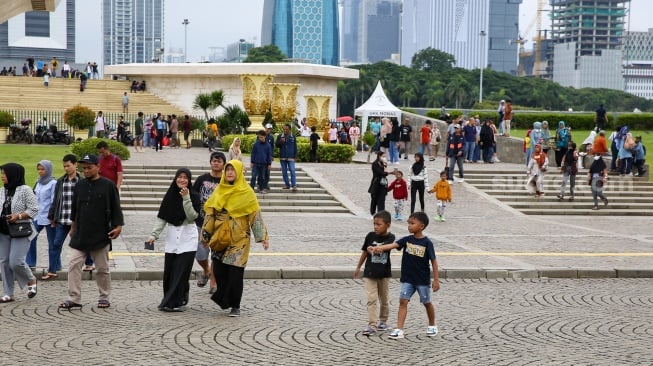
[344, 119]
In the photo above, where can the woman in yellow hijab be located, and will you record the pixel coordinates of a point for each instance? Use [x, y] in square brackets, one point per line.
[235, 198]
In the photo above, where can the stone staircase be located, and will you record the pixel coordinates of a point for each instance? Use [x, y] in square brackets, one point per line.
[627, 196]
[144, 187]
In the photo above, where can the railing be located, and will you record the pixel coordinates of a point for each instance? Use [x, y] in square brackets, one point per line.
[111, 118]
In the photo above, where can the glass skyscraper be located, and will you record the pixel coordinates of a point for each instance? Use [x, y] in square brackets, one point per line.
[132, 31]
[304, 30]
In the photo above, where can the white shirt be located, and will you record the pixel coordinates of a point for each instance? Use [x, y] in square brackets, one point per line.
[99, 123]
[181, 239]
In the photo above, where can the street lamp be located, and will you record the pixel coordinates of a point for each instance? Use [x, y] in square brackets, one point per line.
[483, 50]
[185, 23]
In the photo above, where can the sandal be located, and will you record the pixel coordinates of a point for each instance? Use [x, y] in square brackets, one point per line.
[49, 276]
[32, 290]
[69, 305]
[103, 304]
[88, 268]
[6, 298]
[203, 280]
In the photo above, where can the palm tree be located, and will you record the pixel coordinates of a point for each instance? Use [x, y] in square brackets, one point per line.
[217, 98]
[203, 102]
[457, 90]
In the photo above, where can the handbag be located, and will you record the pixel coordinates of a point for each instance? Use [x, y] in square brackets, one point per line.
[20, 228]
[383, 181]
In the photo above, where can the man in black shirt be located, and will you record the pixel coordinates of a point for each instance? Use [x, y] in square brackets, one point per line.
[405, 137]
[601, 118]
[96, 220]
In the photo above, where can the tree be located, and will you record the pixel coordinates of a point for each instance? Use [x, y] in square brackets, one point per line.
[234, 120]
[209, 101]
[269, 53]
[432, 60]
[457, 90]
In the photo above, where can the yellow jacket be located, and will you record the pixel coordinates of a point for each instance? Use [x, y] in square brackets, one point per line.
[442, 190]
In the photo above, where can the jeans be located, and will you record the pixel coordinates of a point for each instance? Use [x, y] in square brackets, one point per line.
[394, 152]
[456, 160]
[566, 176]
[477, 153]
[54, 251]
[12, 263]
[31, 253]
[146, 139]
[285, 166]
[468, 152]
[424, 147]
[625, 165]
[258, 176]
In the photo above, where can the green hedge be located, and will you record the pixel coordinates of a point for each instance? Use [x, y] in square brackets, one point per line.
[637, 121]
[88, 147]
[327, 153]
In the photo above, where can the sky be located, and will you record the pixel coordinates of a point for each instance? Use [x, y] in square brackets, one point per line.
[217, 23]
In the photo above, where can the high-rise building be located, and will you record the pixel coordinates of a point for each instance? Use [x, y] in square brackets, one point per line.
[587, 37]
[132, 31]
[638, 63]
[478, 33]
[370, 30]
[237, 51]
[40, 35]
[304, 30]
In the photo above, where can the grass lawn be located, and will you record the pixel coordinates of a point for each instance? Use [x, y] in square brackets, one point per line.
[29, 155]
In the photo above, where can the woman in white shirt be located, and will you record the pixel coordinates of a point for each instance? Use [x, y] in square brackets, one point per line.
[179, 209]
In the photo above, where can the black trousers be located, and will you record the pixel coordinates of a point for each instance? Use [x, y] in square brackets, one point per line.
[377, 202]
[230, 285]
[560, 153]
[176, 273]
[416, 186]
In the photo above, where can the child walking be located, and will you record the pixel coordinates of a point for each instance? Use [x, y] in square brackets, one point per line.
[377, 273]
[418, 251]
[399, 189]
[442, 191]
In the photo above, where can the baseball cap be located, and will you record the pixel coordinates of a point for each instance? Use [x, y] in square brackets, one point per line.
[269, 125]
[90, 158]
[456, 126]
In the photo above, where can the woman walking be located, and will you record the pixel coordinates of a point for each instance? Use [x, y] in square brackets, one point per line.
[178, 211]
[418, 179]
[18, 203]
[44, 191]
[569, 170]
[598, 176]
[236, 201]
[379, 184]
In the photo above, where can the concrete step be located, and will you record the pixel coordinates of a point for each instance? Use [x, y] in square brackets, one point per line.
[578, 205]
[579, 196]
[165, 181]
[264, 209]
[276, 187]
[263, 201]
[588, 212]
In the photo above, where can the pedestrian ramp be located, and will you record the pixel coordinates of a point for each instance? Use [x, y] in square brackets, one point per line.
[627, 195]
[143, 189]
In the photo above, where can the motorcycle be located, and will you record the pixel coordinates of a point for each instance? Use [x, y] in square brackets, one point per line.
[127, 138]
[20, 133]
[50, 135]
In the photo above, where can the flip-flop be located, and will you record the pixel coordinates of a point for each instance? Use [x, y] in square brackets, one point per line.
[69, 305]
[49, 276]
[103, 304]
[6, 298]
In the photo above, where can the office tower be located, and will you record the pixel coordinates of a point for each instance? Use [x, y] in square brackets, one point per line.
[237, 51]
[370, 30]
[587, 37]
[478, 33]
[304, 30]
[39, 34]
[638, 63]
[132, 31]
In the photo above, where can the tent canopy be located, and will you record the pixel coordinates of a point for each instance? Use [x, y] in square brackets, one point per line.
[377, 105]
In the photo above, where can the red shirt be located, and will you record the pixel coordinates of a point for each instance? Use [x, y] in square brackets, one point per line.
[110, 166]
[425, 133]
[399, 189]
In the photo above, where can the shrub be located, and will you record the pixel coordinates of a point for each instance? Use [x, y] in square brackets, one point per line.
[79, 117]
[638, 121]
[88, 147]
[334, 153]
[327, 153]
[6, 119]
[246, 142]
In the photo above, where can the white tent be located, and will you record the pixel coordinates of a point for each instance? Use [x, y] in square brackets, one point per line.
[377, 105]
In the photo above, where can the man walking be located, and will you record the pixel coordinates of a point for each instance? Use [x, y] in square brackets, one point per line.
[455, 148]
[261, 160]
[405, 137]
[287, 144]
[96, 220]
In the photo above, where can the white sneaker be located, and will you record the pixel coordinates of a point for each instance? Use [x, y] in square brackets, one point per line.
[397, 334]
[432, 331]
[461, 180]
[450, 181]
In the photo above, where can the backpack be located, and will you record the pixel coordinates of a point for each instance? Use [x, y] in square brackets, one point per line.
[210, 132]
[629, 144]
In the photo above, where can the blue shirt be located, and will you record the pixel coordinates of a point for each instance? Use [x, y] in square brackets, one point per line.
[416, 260]
[44, 196]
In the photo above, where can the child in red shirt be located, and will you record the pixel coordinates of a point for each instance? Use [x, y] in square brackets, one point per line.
[399, 189]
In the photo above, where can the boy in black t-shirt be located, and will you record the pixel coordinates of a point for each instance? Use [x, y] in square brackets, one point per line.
[313, 149]
[418, 251]
[377, 273]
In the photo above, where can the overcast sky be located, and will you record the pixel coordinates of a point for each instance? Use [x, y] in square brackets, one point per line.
[216, 23]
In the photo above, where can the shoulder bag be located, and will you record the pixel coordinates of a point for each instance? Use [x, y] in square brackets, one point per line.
[20, 228]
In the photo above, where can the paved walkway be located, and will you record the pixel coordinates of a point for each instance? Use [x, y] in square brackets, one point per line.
[481, 238]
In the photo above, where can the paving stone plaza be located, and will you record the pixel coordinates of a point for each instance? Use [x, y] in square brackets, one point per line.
[510, 292]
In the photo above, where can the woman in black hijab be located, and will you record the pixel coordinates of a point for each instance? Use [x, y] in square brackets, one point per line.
[18, 203]
[179, 209]
[418, 180]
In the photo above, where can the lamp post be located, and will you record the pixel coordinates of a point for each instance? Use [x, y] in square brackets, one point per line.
[185, 23]
[483, 50]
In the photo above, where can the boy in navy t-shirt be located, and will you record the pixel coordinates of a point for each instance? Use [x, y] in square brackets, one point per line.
[377, 274]
[418, 251]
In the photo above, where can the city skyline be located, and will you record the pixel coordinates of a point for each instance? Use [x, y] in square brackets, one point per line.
[217, 23]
